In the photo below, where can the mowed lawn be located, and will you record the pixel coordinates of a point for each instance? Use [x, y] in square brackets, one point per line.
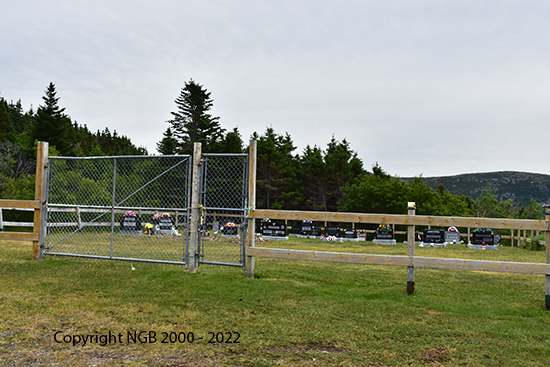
[294, 313]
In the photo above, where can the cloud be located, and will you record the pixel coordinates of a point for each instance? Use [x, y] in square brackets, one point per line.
[430, 87]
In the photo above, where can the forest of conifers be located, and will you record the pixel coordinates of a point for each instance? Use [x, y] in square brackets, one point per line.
[329, 178]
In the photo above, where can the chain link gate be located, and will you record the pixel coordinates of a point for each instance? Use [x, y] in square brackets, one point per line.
[123, 208]
[223, 199]
[138, 208]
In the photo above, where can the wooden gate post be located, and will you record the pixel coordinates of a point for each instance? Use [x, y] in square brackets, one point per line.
[547, 246]
[195, 190]
[252, 153]
[41, 195]
[410, 250]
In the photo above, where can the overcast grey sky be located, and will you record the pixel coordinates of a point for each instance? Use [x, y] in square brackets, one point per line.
[421, 87]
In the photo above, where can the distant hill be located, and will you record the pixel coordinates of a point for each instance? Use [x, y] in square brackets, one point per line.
[519, 186]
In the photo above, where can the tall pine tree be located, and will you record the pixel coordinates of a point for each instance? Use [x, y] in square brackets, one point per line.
[192, 122]
[52, 125]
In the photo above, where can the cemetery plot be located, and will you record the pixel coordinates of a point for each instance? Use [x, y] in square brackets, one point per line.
[332, 230]
[231, 229]
[309, 229]
[273, 230]
[384, 235]
[484, 238]
[433, 238]
[130, 223]
[164, 224]
[349, 234]
[437, 237]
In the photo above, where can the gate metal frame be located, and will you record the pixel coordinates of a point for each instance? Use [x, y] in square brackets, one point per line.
[228, 184]
[116, 207]
[240, 213]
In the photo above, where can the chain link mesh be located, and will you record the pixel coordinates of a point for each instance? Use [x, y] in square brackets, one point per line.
[137, 208]
[224, 195]
[128, 207]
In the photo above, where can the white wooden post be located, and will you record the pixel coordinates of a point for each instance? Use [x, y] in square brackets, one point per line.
[40, 194]
[195, 190]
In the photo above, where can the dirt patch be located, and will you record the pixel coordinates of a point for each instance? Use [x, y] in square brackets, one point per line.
[437, 355]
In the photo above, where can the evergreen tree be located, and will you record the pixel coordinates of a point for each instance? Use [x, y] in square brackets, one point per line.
[192, 123]
[168, 144]
[232, 142]
[343, 167]
[52, 125]
[314, 179]
[5, 125]
[278, 182]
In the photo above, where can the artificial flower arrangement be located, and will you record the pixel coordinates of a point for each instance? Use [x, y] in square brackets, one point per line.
[384, 226]
[149, 228]
[230, 225]
[452, 229]
[332, 238]
[129, 214]
[482, 230]
[307, 221]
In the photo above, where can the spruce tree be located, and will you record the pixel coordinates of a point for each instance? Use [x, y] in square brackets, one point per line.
[52, 125]
[5, 125]
[168, 144]
[192, 121]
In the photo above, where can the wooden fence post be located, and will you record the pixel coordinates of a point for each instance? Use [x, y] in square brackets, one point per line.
[547, 246]
[40, 194]
[252, 205]
[195, 190]
[410, 250]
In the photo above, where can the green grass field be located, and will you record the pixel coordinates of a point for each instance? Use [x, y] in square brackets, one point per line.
[157, 247]
[294, 313]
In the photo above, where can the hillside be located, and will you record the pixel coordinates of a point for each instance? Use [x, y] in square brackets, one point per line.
[519, 186]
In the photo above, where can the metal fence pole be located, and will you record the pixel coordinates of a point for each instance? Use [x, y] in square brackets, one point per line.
[410, 250]
[251, 204]
[195, 188]
[113, 208]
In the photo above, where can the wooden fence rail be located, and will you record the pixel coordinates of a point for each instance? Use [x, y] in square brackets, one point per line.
[411, 261]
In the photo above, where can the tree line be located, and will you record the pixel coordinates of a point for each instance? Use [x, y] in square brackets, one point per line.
[330, 178]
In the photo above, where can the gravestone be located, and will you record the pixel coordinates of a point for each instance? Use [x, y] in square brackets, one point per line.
[484, 238]
[273, 230]
[230, 231]
[452, 237]
[309, 230]
[130, 224]
[384, 235]
[165, 225]
[332, 230]
[350, 234]
[433, 238]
